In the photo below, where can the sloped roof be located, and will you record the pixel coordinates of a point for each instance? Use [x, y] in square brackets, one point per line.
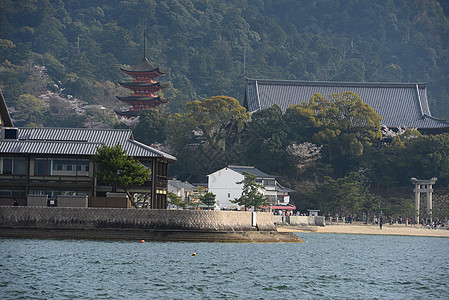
[4, 114]
[142, 98]
[142, 84]
[280, 188]
[251, 170]
[76, 141]
[143, 66]
[178, 184]
[399, 104]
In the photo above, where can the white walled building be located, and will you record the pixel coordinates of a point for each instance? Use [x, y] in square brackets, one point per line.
[223, 183]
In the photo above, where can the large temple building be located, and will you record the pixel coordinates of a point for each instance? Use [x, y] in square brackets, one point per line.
[401, 105]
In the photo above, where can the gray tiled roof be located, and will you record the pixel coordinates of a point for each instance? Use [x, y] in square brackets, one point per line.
[4, 114]
[251, 170]
[399, 104]
[180, 185]
[144, 65]
[280, 188]
[76, 141]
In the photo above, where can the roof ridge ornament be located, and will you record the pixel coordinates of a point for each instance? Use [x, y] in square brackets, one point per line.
[419, 101]
[257, 92]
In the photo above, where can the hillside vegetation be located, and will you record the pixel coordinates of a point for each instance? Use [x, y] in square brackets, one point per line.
[60, 66]
[208, 47]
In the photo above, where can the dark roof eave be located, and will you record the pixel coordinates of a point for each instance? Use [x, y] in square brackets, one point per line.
[334, 83]
[155, 70]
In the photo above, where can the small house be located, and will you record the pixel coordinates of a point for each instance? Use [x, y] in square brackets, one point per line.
[223, 183]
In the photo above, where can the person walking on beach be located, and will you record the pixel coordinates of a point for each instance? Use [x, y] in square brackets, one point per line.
[381, 221]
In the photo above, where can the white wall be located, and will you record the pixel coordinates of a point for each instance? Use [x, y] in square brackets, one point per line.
[286, 199]
[223, 184]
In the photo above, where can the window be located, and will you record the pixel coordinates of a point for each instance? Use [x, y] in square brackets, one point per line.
[42, 166]
[268, 182]
[49, 193]
[14, 166]
[272, 199]
[19, 166]
[71, 167]
[7, 166]
[5, 193]
[55, 193]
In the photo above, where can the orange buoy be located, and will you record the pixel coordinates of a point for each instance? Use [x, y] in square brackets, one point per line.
[142, 241]
[193, 254]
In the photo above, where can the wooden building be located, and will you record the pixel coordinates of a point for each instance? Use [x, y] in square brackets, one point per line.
[60, 161]
[401, 105]
[143, 86]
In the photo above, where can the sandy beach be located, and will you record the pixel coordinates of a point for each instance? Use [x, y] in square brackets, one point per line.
[409, 230]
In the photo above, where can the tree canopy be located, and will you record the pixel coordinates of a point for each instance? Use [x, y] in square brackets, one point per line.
[63, 59]
[208, 47]
[343, 124]
[118, 169]
[219, 119]
[151, 127]
[208, 199]
[251, 193]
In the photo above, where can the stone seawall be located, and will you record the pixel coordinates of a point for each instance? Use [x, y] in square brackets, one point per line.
[300, 220]
[115, 218]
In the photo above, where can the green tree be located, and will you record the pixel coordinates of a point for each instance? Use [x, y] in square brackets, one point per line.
[396, 207]
[176, 200]
[207, 136]
[29, 110]
[424, 157]
[345, 195]
[119, 170]
[151, 127]
[208, 199]
[265, 138]
[251, 195]
[343, 124]
[219, 119]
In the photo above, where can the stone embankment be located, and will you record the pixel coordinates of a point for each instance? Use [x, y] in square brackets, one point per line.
[300, 220]
[152, 225]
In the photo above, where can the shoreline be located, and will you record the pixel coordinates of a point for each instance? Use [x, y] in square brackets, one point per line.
[152, 235]
[410, 230]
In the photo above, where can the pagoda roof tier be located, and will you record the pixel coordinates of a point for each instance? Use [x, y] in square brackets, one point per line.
[140, 98]
[153, 73]
[143, 66]
[148, 102]
[153, 86]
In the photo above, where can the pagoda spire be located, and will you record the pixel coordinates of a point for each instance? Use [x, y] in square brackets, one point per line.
[144, 43]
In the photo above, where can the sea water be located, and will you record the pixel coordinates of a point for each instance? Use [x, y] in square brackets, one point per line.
[327, 266]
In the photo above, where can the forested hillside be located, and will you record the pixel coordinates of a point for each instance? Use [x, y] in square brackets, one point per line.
[208, 47]
[60, 66]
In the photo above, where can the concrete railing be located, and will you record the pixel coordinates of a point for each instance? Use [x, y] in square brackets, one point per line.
[91, 218]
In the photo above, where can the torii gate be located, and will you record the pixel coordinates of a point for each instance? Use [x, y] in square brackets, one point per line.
[423, 186]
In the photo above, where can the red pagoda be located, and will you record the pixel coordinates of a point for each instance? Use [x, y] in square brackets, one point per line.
[143, 87]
